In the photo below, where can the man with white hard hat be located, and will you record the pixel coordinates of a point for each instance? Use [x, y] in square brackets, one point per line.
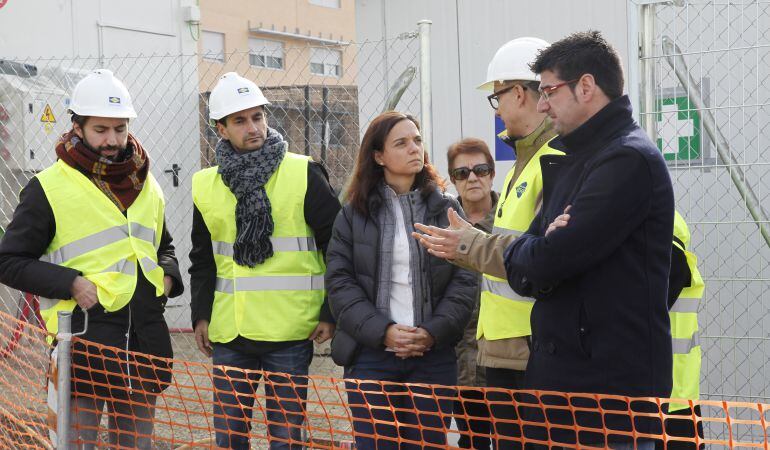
[262, 219]
[503, 327]
[113, 268]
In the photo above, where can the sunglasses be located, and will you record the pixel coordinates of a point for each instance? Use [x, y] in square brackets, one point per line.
[462, 173]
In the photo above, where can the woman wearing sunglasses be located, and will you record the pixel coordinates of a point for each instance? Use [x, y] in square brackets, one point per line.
[399, 311]
[472, 171]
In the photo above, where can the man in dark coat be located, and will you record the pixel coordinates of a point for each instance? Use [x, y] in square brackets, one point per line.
[600, 323]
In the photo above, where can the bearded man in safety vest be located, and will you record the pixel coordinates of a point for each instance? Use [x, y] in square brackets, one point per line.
[503, 325]
[90, 232]
[261, 223]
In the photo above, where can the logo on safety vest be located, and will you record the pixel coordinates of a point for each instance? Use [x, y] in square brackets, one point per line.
[520, 189]
[243, 90]
[114, 100]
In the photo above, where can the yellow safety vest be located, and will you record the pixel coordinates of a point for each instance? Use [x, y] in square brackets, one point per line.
[684, 325]
[102, 243]
[503, 313]
[280, 299]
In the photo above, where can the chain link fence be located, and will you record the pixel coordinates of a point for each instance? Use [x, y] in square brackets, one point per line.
[321, 105]
[706, 73]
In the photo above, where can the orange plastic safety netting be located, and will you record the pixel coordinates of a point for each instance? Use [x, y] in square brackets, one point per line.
[197, 404]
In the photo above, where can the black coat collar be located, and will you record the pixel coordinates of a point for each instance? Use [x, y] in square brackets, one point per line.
[600, 128]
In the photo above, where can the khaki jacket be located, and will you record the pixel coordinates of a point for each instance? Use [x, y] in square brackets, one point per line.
[468, 372]
[483, 252]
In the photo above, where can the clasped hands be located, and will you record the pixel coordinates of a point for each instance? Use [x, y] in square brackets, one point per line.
[407, 341]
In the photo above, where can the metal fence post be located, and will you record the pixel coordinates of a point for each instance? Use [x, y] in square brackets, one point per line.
[63, 364]
[646, 52]
[426, 105]
[732, 164]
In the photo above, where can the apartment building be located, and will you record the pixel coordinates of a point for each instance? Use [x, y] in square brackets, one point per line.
[299, 52]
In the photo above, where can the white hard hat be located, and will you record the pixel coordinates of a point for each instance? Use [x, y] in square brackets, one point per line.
[100, 94]
[234, 93]
[511, 62]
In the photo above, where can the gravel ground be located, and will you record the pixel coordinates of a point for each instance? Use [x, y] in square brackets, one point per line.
[183, 416]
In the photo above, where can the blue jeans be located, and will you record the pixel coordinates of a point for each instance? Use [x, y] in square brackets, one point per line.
[130, 421]
[414, 408]
[235, 393]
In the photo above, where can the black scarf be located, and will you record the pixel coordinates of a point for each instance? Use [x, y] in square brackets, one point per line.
[246, 174]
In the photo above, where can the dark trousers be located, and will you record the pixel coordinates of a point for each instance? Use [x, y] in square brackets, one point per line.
[235, 393]
[423, 414]
[476, 429]
[502, 407]
[684, 427]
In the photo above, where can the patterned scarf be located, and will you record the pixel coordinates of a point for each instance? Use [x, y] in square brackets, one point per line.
[246, 174]
[121, 181]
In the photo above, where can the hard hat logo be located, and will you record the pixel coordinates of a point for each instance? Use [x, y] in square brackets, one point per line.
[243, 90]
[115, 100]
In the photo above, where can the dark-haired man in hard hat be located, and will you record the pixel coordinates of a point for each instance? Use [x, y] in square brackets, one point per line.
[262, 219]
[116, 263]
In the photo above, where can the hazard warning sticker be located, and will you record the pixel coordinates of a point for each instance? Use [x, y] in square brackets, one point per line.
[48, 118]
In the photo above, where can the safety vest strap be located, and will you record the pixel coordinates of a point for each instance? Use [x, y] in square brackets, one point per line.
[280, 244]
[270, 283]
[683, 346]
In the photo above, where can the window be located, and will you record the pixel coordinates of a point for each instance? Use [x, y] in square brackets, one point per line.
[335, 131]
[264, 53]
[326, 3]
[213, 46]
[326, 62]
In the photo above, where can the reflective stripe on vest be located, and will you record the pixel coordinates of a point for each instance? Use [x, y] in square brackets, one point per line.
[505, 231]
[684, 325]
[280, 244]
[296, 283]
[504, 314]
[280, 299]
[98, 240]
[683, 346]
[106, 247]
[685, 305]
[503, 289]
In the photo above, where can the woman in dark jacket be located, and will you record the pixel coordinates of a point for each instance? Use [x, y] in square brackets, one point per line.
[399, 311]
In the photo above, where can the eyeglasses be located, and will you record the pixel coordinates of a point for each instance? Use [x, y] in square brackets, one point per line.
[493, 98]
[462, 173]
[546, 91]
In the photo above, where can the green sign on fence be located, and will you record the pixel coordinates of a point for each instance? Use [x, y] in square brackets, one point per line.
[679, 131]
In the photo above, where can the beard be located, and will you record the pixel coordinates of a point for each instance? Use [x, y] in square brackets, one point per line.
[122, 154]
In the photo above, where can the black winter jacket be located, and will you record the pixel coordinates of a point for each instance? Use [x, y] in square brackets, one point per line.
[352, 270]
[600, 323]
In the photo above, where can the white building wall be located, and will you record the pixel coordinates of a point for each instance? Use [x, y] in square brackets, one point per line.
[147, 44]
[465, 35]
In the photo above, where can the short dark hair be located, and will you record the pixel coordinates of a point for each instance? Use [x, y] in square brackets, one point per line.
[80, 120]
[223, 120]
[367, 174]
[469, 146]
[581, 53]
